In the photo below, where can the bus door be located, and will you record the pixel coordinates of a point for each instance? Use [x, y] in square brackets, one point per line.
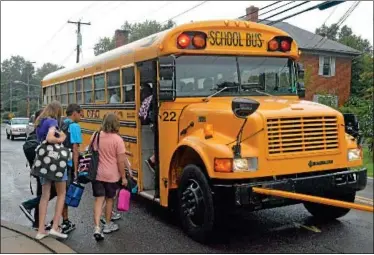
[148, 81]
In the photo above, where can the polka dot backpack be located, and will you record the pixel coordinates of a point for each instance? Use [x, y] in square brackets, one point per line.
[51, 161]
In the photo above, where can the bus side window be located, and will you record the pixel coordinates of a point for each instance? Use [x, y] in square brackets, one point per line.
[64, 93]
[113, 84]
[79, 89]
[99, 82]
[128, 83]
[87, 87]
[52, 93]
[71, 92]
[46, 95]
[58, 94]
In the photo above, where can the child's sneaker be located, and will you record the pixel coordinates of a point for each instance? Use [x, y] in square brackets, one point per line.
[67, 226]
[109, 228]
[98, 235]
[115, 216]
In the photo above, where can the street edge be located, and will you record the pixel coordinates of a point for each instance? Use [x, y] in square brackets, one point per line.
[50, 243]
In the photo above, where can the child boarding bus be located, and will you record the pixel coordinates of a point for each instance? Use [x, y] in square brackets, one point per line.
[228, 116]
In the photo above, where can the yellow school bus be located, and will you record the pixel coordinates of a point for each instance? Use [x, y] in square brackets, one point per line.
[228, 117]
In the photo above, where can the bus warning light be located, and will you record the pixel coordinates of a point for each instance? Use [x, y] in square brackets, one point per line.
[183, 41]
[273, 45]
[199, 41]
[285, 45]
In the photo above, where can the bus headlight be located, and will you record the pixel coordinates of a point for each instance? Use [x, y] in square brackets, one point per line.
[354, 154]
[245, 164]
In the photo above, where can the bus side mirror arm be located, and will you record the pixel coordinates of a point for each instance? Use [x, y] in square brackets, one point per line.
[300, 89]
[300, 71]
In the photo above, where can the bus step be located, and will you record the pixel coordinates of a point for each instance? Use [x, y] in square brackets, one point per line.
[149, 194]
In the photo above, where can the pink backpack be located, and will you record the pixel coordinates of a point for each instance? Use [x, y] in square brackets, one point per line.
[123, 204]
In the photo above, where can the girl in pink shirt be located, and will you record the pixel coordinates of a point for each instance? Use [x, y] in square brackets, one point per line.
[111, 171]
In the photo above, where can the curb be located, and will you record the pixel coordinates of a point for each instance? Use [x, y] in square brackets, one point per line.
[50, 243]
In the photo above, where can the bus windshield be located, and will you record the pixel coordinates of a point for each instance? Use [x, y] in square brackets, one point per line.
[204, 75]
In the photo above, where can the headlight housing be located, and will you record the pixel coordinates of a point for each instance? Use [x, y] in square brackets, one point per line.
[229, 165]
[354, 154]
[245, 164]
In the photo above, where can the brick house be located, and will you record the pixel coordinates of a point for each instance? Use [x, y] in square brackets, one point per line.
[327, 63]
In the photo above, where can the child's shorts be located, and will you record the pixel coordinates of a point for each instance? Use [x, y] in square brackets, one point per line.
[64, 179]
[104, 189]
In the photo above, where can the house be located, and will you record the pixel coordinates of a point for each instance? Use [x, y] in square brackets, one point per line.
[327, 63]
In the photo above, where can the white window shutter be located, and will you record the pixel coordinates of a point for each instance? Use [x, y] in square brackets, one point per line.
[332, 66]
[320, 70]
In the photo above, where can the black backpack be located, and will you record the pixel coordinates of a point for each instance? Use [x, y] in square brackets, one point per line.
[29, 147]
[65, 129]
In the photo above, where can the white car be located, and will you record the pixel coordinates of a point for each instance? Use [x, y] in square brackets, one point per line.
[16, 127]
[30, 126]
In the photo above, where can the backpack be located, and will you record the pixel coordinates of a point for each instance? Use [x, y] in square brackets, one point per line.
[65, 128]
[29, 147]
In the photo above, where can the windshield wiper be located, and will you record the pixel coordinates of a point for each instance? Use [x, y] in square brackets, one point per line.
[255, 89]
[220, 88]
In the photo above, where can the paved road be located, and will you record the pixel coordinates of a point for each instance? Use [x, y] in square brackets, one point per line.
[148, 228]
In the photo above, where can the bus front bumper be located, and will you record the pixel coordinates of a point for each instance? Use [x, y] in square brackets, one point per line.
[318, 185]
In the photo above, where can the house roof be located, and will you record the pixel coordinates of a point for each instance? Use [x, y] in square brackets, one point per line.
[309, 41]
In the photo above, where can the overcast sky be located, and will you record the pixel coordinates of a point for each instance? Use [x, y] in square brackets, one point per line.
[39, 30]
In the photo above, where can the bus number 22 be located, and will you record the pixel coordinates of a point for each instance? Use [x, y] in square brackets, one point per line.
[169, 116]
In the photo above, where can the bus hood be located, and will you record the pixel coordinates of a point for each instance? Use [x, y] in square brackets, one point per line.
[269, 107]
[218, 112]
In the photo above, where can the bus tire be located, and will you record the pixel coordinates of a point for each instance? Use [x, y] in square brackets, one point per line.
[326, 212]
[195, 204]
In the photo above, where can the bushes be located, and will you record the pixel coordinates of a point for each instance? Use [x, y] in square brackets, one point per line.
[363, 108]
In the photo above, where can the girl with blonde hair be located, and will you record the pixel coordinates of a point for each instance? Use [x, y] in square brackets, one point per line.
[47, 129]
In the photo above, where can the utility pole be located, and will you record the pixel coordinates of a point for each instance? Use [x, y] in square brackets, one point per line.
[10, 92]
[79, 36]
[28, 92]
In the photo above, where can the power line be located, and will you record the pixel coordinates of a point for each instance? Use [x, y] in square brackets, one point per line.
[340, 22]
[184, 12]
[289, 9]
[68, 56]
[324, 23]
[283, 5]
[306, 10]
[267, 6]
[62, 27]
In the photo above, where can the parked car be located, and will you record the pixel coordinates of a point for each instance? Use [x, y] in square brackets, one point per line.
[16, 127]
[30, 126]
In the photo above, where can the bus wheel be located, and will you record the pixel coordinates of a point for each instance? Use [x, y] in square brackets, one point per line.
[196, 208]
[326, 212]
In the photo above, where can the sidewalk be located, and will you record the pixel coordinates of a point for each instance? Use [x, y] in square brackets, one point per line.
[19, 239]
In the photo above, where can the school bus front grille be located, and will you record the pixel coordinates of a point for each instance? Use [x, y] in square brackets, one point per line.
[302, 134]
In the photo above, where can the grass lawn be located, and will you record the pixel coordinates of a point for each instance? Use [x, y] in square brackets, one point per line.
[368, 161]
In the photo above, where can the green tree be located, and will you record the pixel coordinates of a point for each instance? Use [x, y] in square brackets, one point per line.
[136, 30]
[330, 32]
[16, 68]
[105, 44]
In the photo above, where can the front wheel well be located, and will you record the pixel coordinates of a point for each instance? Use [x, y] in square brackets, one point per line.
[182, 157]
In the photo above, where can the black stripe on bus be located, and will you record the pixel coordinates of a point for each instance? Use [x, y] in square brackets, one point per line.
[126, 138]
[123, 106]
[131, 124]
[130, 139]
